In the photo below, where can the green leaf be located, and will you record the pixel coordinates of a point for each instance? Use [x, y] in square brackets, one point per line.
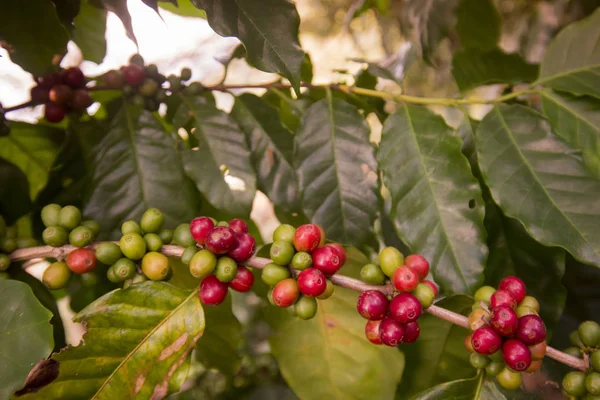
[185, 8]
[33, 149]
[535, 177]
[432, 189]
[478, 24]
[267, 28]
[577, 121]
[90, 30]
[439, 355]
[472, 68]
[135, 167]
[119, 8]
[572, 60]
[34, 33]
[14, 192]
[135, 340]
[476, 388]
[67, 10]
[271, 147]
[329, 357]
[337, 170]
[25, 336]
[221, 157]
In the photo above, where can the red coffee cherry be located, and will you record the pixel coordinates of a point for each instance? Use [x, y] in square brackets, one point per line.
[411, 332]
[134, 74]
[418, 264]
[433, 286]
[405, 308]
[40, 94]
[81, 261]
[312, 282]
[538, 351]
[372, 331]
[238, 225]
[54, 113]
[245, 247]
[81, 100]
[307, 238]
[531, 330]
[285, 293]
[372, 304]
[243, 280]
[340, 250]
[326, 259]
[405, 279]
[73, 77]
[49, 80]
[220, 240]
[515, 286]
[391, 332]
[503, 298]
[61, 94]
[212, 291]
[516, 355]
[200, 228]
[504, 320]
[486, 340]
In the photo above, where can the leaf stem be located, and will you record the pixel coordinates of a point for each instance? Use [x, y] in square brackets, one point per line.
[479, 384]
[260, 262]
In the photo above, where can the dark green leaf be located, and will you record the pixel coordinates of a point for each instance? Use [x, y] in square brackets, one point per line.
[135, 340]
[14, 192]
[89, 32]
[478, 24]
[119, 7]
[25, 336]
[472, 68]
[306, 71]
[476, 388]
[267, 28]
[184, 8]
[432, 190]
[84, 289]
[572, 60]
[337, 170]
[33, 32]
[535, 177]
[220, 164]
[67, 10]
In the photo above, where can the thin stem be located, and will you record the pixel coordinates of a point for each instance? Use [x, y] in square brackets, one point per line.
[479, 384]
[260, 262]
[20, 106]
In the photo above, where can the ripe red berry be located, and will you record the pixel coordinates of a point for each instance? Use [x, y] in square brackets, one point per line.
[322, 231]
[307, 238]
[134, 74]
[372, 331]
[531, 330]
[200, 228]
[432, 286]
[49, 80]
[81, 100]
[73, 77]
[40, 95]
[312, 282]
[340, 250]
[238, 225]
[405, 279]
[405, 308]
[245, 247]
[538, 351]
[372, 304]
[243, 280]
[391, 332]
[54, 113]
[516, 355]
[212, 291]
[411, 332]
[504, 320]
[61, 94]
[503, 298]
[326, 259]
[81, 261]
[285, 293]
[418, 264]
[515, 286]
[220, 240]
[485, 340]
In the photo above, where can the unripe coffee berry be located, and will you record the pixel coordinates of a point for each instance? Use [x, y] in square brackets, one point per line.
[7, 245]
[515, 286]
[212, 291]
[418, 264]
[55, 236]
[372, 304]
[574, 383]
[326, 259]
[516, 355]
[131, 227]
[155, 266]
[166, 235]
[312, 282]
[306, 307]
[81, 236]
[238, 225]
[153, 243]
[226, 269]
[424, 294]
[479, 361]
[478, 318]
[188, 254]
[509, 380]
[81, 260]
[69, 217]
[372, 274]
[202, 264]
[592, 383]
[523, 311]
[307, 238]
[285, 293]
[504, 320]
[589, 332]
[572, 351]
[595, 360]
[108, 253]
[200, 228]
[468, 344]
[405, 279]
[133, 246]
[531, 302]
[484, 293]
[372, 331]
[485, 340]
[183, 237]
[124, 269]
[56, 276]
[494, 368]
[503, 298]
[405, 308]
[152, 220]
[411, 332]
[301, 260]
[329, 289]
[390, 259]
[273, 274]
[538, 351]
[284, 232]
[93, 225]
[531, 330]
[5, 262]
[243, 281]
[50, 215]
[220, 240]
[391, 332]
[244, 248]
[281, 252]
[433, 287]
[341, 251]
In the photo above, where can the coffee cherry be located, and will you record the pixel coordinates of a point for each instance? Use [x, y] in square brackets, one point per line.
[131, 227]
[509, 380]
[50, 79]
[592, 383]
[220, 240]
[574, 383]
[468, 344]
[281, 252]
[285, 293]
[405, 308]
[11, 232]
[124, 269]
[134, 74]
[155, 266]
[523, 311]
[273, 274]
[340, 250]
[108, 253]
[411, 332]
[433, 286]
[148, 88]
[54, 113]
[307, 238]
[93, 225]
[390, 259]
[538, 351]
[73, 77]
[306, 307]
[39, 95]
[595, 360]
[515, 286]
[478, 318]
[55, 236]
[589, 332]
[301, 260]
[424, 294]
[516, 355]
[7, 245]
[114, 79]
[166, 235]
[56, 276]
[326, 259]
[50, 215]
[531, 330]
[81, 236]
[494, 368]
[111, 276]
[372, 274]
[244, 248]
[479, 361]
[61, 95]
[81, 260]
[312, 282]
[183, 237]
[153, 242]
[391, 332]
[238, 225]
[485, 340]
[484, 293]
[243, 281]
[405, 279]
[226, 269]
[202, 264]
[575, 339]
[329, 289]
[188, 254]
[81, 100]
[372, 304]
[503, 298]
[284, 232]
[133, 246]
[418, 264]
[24, 242]
[186, 74]
[69, 217]
[152, 220]
[4, 262]
[572, 351]
[531, 302]
[504, 320]
[212, 291]
[322, 232]
[372, 331]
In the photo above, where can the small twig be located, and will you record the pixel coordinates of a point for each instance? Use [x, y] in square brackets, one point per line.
[20, 106]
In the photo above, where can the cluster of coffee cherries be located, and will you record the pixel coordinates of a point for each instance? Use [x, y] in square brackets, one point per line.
[393, 322]
[61, 92]
[216, 256]
[586, 344]
[311, 261]
[508, 335]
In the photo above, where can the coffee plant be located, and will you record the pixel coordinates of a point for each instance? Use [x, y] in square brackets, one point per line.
[438, 212]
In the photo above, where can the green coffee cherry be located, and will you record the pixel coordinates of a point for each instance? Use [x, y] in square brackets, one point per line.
[93, 225]
[589, 333]
[425, 295]
[69, 217]
[188, 253]
[11, 232]
[124, 269]
[592, 383]
[372, 274]
[4, 262]
[166, 235]
[186, 74]
[523, 310]
[226, 269]
[301, 260]
[194, 88]
[50, 215]
[595, 360]
[494, 368]
[81, 236]
[56, 276]
[55, 236]
[155, 266]
[573, 351]
[306, 307]
[273, 273]
[133, 246]
[390, 258]
[7, 244]
[153, 242]
[110, 274]
[574, 383]
[182, 236]
[479, 361]
[24, 242]
[509, 380]
[222, 223]
[531, 302]
[152, 220]
[202, 264]
[484, 293]
[131, 227]
[575, 339]
[284, 232]
[108, 253]
[281, 252]
[328, 291]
